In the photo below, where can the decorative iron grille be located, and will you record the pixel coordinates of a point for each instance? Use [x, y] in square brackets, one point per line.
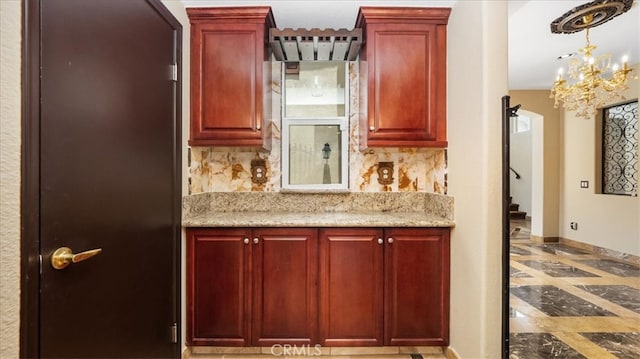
[620, 149]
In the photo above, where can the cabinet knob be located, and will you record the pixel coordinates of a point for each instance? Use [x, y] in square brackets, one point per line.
[390, 240]
[256, 240]
[372, 128]
[380, 241]
[246, 240]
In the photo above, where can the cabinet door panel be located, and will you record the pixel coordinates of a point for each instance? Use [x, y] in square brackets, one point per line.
[417, 287]
[230, 76]
[226, 95]
[285, 282]
[401, 83]
[403, 76]
[218, 287]
[350, 287]
[228, 80]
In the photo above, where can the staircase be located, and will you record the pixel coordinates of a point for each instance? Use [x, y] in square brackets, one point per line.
[514, 210]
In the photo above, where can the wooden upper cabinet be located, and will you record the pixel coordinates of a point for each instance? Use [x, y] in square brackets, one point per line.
[403, 77]
[230, 76]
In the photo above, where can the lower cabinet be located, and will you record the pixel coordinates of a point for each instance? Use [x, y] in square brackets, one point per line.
[251, 286]
[328, 286]
[384, 286]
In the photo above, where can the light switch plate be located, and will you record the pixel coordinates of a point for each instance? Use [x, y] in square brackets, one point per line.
[584, 184]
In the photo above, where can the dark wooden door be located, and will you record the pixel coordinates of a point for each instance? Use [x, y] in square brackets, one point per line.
[109, 177]
[417, 286]
[285, 282]
[351, 280]
[218, 286]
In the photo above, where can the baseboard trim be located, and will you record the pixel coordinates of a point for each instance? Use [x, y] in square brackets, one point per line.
[539, 239]
[623, 257]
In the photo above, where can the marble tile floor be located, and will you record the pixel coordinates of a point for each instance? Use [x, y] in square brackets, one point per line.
[568, 303]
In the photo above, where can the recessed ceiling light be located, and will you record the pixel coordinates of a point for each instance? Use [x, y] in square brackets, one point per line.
[566, 55]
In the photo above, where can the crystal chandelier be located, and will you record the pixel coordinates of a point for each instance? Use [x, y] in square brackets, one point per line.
[595, 82]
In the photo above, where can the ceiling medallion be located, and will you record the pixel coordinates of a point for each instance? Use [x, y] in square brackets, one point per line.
[590, 90]
[600, 11]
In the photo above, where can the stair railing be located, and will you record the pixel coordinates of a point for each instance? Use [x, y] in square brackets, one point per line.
[516, 173]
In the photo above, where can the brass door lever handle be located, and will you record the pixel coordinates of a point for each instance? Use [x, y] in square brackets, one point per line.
[63, 256]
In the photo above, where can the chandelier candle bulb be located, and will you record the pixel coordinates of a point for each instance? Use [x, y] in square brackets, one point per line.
[588, 90]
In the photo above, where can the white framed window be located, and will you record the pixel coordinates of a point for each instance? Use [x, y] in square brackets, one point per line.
[315, 126]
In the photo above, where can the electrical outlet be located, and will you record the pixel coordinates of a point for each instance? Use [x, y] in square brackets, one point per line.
[584, 184]
[574, 225]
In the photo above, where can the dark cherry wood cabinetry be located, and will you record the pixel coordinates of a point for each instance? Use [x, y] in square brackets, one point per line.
[251, 286]
[327, 286]
[384, 287]
[416, 286]
[285, 287]
[403, 77]
[230, 76]
[351, 287]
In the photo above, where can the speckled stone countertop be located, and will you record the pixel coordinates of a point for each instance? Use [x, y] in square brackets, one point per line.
[356, 209]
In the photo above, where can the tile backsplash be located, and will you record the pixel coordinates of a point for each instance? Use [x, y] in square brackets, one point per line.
[228, 169]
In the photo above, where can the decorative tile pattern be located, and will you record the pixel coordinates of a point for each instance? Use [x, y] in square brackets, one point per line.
[622, 345]
[516, 273]
[557, 248]
[539, 346]
[556, 302]
[556, 269]
[518, 251]
[613, 267]
[594, 316]
[621, 295]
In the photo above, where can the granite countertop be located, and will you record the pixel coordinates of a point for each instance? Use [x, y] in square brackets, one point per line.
[318, 219]
[263, 209]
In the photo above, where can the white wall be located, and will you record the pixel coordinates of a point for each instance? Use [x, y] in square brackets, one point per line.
[477, 79]
[520, 159]
[606, 221]
[10, 100]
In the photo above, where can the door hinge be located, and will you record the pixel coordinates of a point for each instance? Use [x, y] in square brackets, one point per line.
[174, 72]
[174, 333]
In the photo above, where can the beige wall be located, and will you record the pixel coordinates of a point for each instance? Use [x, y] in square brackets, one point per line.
[10, 24]
[606, 221]
[477, 30]
[547, 151]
